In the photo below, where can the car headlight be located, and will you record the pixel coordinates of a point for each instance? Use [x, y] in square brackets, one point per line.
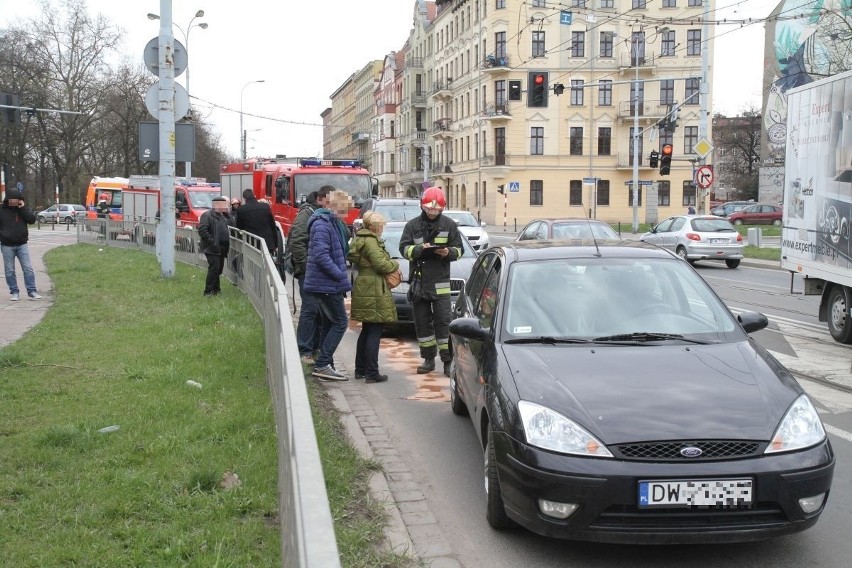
[800, 428]
[402, 288]
[549, 430]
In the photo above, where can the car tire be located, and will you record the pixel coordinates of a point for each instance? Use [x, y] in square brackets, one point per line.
[456, 403]
[68, 220]
[839, 322]
[495, 512]
[41, 219]
[777, 222]
[738, 222]
[681, 252]
[732, 262]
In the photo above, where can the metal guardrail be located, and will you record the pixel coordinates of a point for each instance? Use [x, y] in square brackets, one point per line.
[307, 529]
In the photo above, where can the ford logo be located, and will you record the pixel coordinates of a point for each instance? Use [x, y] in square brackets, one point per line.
[690, 452]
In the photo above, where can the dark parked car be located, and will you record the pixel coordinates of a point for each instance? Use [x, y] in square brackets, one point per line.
[729, 207]
[617, 399]
[459, 270]
[391, 208]
[567, 229]
[757, 214]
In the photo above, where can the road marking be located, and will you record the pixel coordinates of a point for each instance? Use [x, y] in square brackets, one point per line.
[838, 432]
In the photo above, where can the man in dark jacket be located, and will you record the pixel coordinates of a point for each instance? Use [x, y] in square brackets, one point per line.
[431, 242]
[310, 326]
[215, 242]
[14, 234]
[326, 277]
[256, 218]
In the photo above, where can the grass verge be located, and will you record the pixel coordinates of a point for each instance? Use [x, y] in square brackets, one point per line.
[189, 477]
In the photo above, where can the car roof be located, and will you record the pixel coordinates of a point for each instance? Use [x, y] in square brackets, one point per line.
[569, 220]
[396, 200]
[519, 251]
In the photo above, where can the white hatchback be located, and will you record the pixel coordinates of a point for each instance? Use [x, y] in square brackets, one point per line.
[470, 228]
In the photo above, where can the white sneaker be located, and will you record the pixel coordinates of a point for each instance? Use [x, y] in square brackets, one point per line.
[14, 297]
[34, 296]
[328, 373]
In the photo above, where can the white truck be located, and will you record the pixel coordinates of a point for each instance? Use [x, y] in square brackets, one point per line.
[816, 240]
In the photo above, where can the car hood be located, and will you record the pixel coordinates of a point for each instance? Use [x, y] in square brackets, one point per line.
[458, 269]
[471, 231]
[657, 392]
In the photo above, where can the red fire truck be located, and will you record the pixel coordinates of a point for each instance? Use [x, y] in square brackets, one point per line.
[286, 183]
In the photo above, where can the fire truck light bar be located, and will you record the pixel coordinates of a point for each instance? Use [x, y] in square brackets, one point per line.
[318, 163]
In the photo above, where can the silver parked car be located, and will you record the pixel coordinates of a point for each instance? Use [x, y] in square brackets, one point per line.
[471, 228]
[67, 213]
[698, 237]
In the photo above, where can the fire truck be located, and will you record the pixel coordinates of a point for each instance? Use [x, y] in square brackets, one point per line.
[107, 189]
[193, 196]
[286, 183]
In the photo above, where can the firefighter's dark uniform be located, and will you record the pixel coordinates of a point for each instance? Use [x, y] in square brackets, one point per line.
[432, 314]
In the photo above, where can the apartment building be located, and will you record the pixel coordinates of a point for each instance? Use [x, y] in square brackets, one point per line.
[351, 117]
[541, 100]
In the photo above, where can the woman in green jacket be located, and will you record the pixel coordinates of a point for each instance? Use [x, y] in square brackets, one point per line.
[372, 302]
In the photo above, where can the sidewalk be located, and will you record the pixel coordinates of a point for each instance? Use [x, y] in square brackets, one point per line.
[16, 318]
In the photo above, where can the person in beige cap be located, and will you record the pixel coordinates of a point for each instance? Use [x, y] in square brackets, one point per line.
[14, 234]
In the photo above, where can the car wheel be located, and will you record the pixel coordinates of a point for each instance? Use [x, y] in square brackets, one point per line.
[732, 262]
[777, 222]
[68, 220]
[496, 512]
[681, 252]
[839, 323]
[456, 403]
[738, 222]
[41, 219]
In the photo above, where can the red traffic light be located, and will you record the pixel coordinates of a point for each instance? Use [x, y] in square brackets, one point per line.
[539, 79]
[667, 150]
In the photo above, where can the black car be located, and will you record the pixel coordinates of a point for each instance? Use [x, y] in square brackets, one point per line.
[617, 399]
[459, 270]
[391, 208]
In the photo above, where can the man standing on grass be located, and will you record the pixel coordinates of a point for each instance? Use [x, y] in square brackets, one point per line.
[14, 234]
[215, 242]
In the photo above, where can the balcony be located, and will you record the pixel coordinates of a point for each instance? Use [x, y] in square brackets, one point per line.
[495, 64]
[388, 178]
[496, 113]
[643, 61]
[442, 90]
[653, 110]
[624, 161]
[414, 63]
[418, 99]
[496, 165]
[361, 137]
[442, 128]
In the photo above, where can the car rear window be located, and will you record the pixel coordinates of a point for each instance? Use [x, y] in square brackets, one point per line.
[711, 225]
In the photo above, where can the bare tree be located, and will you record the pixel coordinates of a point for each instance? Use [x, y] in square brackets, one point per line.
[737, 142]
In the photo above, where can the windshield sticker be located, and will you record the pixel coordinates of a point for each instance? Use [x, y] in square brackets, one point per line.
[522, 329]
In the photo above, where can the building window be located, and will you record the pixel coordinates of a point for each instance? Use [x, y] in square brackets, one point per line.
[607, 3]
[575, 133]
[693, 42]
[669, 3]
[500, 146]
[537, 141]
[666, 137]
[606, 44]
[538, 44]
[500, 4]
[500, 93]
[536, 192]
[693, 3]
[637, 48]
[578, 44]
[639, 4]
[575, 192]
[576, 92]
[605, 92]
[668, 46]
[641, 145]
[689, 193]
[604, 141]
[664, 193]
[539, 3]
[578, 3]
[603, 192]
[630, 195]
[690, 139]
[692, 95]
[500, 45]
[667, 92]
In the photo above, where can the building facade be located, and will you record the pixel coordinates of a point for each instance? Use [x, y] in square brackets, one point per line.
[543, 107]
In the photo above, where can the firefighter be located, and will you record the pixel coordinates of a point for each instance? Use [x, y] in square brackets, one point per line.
[431, 242]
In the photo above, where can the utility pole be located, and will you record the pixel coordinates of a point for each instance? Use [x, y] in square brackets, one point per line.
[704, 94]
[166, 226]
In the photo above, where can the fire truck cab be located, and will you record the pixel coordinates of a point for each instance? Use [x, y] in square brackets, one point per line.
[193, 196]
[107, 189]
[285, 183]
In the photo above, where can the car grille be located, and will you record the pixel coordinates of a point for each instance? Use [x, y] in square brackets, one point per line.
[456, 284]
[473, 238]
[759, 515]
[710, 450]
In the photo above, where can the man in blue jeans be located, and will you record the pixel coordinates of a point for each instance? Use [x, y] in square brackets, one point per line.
[14, 234]
[326, 277]
[309, 333]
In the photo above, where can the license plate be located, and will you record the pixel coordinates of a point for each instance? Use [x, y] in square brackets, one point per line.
[682, 493]
[718, 241]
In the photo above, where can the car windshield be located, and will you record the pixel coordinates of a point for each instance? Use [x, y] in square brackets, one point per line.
[569, 231]
[202, 199]
[358, 186]
[596, 298]
[397, 211]
[392, 234]
[463, 218]
[711, 225]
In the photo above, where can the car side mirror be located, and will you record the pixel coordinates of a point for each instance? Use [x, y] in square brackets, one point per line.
[482, 224]
[752, 321]
[469, 328]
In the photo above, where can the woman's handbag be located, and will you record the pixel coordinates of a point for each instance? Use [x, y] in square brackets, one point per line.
[393, 279]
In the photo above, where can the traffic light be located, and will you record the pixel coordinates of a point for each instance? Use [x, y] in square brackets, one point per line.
[558, 89]
[10, 115]
[501, 189]
[672, 120]
[514, 90]
[666, 159]
[654, 158]
[538, 89]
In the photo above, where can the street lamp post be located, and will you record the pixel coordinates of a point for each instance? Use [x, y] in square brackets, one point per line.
[242, 132]
[203, 26]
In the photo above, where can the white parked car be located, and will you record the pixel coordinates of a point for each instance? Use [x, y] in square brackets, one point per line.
[470, 228]
[67, 213]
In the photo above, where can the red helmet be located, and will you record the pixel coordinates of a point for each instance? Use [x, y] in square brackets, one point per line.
[433, 198]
